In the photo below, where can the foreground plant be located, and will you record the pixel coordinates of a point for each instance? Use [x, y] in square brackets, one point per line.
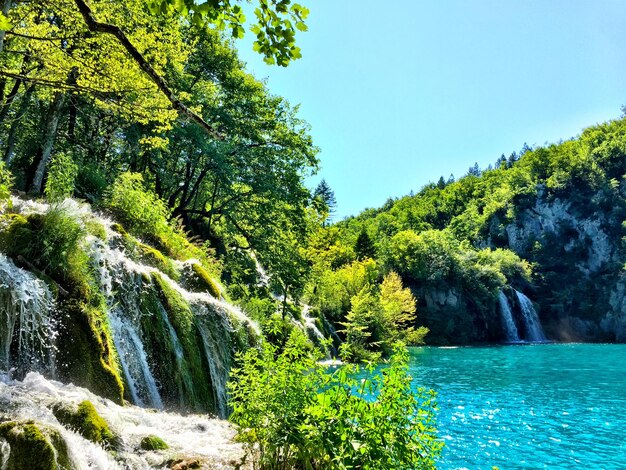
[293, 413]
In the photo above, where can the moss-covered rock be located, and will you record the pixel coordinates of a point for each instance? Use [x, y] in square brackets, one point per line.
[147, 254]
[86, 353]
[86, 421]
[16, 234]
[203, 282]
[153, 257]
[153, 442]
[183, 322]
[95, 228]
[34, 447]
[118, 228]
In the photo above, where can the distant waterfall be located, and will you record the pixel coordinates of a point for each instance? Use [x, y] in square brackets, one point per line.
[27, 330]
[510, 330]
[534, 332]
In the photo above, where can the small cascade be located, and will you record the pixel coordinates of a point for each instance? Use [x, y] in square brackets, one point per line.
[217, 321]
[122, 289]
[27, 329]
[510, 330]
[336, 340]
[193, 436]
[534, 331]
[313, 331]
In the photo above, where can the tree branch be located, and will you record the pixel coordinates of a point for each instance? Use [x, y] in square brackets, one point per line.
[97, 27]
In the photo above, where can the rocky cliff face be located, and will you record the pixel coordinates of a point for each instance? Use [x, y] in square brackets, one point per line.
[453, 318]
[575, 243]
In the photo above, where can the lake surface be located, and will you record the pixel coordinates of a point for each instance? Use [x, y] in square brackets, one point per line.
[533, 406]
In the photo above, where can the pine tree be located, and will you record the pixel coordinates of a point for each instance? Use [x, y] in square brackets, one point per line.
[364, 246]
[324, 200]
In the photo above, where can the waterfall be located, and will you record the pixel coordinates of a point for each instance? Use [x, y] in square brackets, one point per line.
[508, 323]
[534, 332]
[174, 347]
[122, 289]
[27, 329]
[312, 331]
[131, 299]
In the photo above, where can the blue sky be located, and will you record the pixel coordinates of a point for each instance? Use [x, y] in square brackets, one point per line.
[399, 93]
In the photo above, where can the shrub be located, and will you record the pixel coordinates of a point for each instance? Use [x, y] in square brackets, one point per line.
[290, 412]
[61, 178]
[140, 211]
[145, 215]
[6, 184]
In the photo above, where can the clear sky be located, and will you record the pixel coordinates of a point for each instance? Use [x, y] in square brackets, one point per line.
[401, 92]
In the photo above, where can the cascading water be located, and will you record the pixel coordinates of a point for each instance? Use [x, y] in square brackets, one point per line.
[27, 330]
[209, 441]
[127, 285]
[122, 288]
[311, 329]
[173, 347]
[534, 331]
[510, 329]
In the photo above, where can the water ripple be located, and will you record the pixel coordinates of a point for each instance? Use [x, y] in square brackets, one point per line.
[546, 406]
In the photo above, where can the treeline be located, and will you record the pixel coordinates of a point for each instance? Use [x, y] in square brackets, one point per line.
[547, 221]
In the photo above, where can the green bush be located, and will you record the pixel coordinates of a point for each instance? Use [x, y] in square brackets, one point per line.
[140, 210]
[146, 216]
[6, 184]
[292, 413]
[61, 178]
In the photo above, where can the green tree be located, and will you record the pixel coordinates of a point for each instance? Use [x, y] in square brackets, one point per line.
[324, 201]
[277, 22]
[399, 312]
[364, 246]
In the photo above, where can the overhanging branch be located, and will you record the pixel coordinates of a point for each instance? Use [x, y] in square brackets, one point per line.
[106, 28]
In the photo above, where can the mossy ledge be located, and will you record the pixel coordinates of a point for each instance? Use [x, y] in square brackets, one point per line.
[146, 253]
[34, 447]
[202, 281]
[85, 420]
[88, 358]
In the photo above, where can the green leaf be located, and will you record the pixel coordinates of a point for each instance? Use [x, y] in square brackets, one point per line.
[5, 24]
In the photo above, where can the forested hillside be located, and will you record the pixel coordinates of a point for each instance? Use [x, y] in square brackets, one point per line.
[548, 222]
[83, 117]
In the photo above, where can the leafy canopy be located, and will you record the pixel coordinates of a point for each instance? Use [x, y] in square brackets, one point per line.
[275, 28]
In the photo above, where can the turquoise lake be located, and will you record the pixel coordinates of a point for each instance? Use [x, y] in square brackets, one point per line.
[532, 406]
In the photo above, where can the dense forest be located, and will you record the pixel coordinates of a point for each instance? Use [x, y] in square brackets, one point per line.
[547, 221]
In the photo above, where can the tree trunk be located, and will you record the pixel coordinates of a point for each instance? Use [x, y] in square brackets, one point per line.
[6, 6]
[6, 106]
[9, 151]
[49, 136]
